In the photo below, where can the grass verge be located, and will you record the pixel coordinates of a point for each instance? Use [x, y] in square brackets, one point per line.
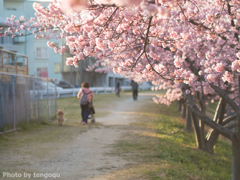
[159, 148]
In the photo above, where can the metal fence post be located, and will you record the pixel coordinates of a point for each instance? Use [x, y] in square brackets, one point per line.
[47, 100]
[2, 109]
[14, 101]
[34, 98]
[27, 99]
[38, 101]
[55, 95]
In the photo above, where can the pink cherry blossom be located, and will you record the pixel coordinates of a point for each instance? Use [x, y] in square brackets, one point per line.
[75, 5]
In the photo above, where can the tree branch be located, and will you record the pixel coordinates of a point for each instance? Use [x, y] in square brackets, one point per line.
[229, 119]
[221, 93]
[233, 125]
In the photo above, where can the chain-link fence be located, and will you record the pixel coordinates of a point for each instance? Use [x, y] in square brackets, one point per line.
[24, 99]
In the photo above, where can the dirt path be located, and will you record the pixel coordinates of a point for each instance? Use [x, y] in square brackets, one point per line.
[86, 155]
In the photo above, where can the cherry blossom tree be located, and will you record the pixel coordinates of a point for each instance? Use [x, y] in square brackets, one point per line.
[191, 48]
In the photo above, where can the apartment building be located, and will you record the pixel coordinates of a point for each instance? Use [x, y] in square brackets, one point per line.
[42, 61]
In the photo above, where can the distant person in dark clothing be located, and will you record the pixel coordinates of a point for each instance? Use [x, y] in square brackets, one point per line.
[134, 90]
[118, 88]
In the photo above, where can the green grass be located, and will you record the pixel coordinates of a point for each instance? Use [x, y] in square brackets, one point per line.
[163, 150]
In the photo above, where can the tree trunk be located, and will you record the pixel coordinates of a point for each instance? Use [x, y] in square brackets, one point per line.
[91, 79]
[211, 140]
[80, 68]
[236, 146]
[202, 105]
[198, 134]
[188, 125]
[183, 110]
[71, 74]
[235, 157]
[202, 125]
[213, 134]
[180, 105]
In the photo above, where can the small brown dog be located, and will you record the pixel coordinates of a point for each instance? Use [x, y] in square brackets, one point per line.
[60, 117]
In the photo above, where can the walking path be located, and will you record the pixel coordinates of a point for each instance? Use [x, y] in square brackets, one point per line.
[86, 155]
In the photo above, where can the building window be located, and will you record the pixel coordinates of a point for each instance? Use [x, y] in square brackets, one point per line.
[41, 53]
[6, 40]
[11, 9]
[56, 68]
[42, 72]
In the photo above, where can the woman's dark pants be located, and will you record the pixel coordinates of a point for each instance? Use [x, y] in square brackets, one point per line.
[84, 112]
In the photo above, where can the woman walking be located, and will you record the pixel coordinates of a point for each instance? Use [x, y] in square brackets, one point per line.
[85, 95]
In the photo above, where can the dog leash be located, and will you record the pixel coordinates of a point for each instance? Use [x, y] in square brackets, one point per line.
[69, 104]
